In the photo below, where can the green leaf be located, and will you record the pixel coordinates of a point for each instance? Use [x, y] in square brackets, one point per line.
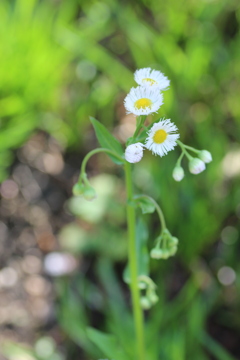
[106, 343]
[215, 348]
[146, 205]
[106, 140]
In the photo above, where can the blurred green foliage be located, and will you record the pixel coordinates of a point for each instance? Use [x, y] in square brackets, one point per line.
[65, 60]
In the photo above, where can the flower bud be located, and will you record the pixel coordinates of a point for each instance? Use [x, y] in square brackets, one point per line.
[205, 156]
[156, 253]
[166, 254]
[173, 241]
[178, 173]
[153, 298]
[172, 250]
[78, 189]
[134, 153]
[196, 166]
[89, 193]
[145, 303]
[142, 285]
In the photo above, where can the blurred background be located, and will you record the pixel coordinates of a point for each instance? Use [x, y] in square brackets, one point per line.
[61, 259]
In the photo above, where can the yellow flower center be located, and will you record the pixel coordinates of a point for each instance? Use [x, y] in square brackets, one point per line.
[150, 80]
[160, 136]
[143, 103]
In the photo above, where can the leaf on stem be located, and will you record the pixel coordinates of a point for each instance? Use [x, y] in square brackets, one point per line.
[106, 140]
[145, 204]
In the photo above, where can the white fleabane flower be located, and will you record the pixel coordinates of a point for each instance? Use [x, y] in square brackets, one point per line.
[152, 78]
[162, 137]
[196, 166]
[143, 101]
[134, 152]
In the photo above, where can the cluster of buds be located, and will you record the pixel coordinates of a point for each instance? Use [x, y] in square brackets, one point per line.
[83, 188]
[166, 246]
[150, 297]
[196, 164]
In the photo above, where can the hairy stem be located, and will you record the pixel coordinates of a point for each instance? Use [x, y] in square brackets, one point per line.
[132, 257]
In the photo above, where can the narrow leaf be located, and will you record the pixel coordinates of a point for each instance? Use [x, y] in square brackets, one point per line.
[106, 343]
[106, 140]
[215, 348]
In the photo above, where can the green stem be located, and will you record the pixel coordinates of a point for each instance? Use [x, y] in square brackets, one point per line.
[182, 146]
[157, 207]
[93, 152]
[140, 122]
[132, 256]
[180, 159]
[190, 148]
[146, 279]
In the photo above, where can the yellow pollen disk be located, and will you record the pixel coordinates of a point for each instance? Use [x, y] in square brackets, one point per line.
[160, 136]
[150, 80]
[143, 103]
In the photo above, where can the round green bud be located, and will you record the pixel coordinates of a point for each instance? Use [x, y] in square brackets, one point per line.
[153, 298]
[156, 253]
[142, 285]
[172, 250]
[145, 303]
[78, 189]
[173, 241]
[165, 254]
[89, 193]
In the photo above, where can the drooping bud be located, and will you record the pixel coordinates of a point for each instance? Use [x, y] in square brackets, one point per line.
[142, 285]
[134, 153]
[153, 297]
[178, 173]
[196, 166]
[166, 246]
[85, 190]
[205, 156]
[156, 253]
[145, 303]
[89, 193]
[78, 189]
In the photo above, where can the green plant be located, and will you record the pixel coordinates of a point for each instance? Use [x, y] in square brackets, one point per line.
[160, 137]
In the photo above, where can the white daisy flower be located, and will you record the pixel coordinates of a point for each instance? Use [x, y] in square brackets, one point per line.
[151, 78]
[143, 101]
[162, 137]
